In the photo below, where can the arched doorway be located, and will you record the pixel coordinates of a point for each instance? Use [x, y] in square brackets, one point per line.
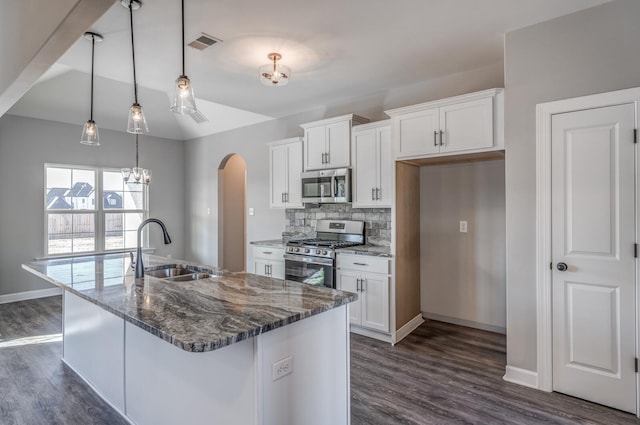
[232, 224]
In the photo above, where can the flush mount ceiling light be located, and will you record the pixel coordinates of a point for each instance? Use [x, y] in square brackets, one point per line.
[90, 134]
[274, 74]
[137, 123]
[136, 174]
[183, 101]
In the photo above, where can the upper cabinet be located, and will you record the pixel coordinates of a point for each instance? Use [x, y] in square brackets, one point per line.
[461, 124]
[371, 152]
[327, 142]
[285, 167]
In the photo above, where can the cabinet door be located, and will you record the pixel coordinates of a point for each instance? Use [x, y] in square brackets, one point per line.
[260, 267]
[414, 133]
[294, 168]
[277, 269]
[348, 281]
[338, 144]
[315, 148]
[385, 165]
[375, 301]
[278, 175]
[365, 169]
[467, 125]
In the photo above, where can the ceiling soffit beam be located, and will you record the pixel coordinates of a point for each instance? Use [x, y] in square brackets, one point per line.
[70, 29]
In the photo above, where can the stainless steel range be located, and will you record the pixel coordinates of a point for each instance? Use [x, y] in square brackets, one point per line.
[312, 261]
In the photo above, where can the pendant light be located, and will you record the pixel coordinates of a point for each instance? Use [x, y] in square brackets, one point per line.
[90, 134]
[274, 74]
[137, 123]
[136, 174]
[183, 101]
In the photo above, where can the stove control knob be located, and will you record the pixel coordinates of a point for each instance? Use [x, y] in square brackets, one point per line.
[307, 250]
[323, 252]
[297, 249]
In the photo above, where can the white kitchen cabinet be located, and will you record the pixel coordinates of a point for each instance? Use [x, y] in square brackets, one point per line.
[327, 143]
[368, 277]
[461, 124]
[372, 165]
[285, 189]
[268, 261]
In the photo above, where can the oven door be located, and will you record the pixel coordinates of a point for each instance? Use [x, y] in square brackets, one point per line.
[309, 270]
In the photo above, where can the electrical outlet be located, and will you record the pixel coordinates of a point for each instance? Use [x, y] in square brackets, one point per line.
[463, 227]
[252, 211]
[282, 368]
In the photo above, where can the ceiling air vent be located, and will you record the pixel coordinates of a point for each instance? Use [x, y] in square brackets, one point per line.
[204, 41]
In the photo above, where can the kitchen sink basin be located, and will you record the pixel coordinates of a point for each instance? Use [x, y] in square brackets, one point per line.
[177, 273]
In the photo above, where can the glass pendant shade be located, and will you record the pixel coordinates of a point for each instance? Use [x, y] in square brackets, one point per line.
[146, 174]
[90, 134]
[126, 174]
[274, 74]
[137, 124]
[184, 103]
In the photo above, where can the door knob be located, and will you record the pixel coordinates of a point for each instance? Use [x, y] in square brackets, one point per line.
[562, 267]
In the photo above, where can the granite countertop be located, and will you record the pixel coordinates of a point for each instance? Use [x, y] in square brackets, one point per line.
[272, 243]
[372, 250]
[196, 316]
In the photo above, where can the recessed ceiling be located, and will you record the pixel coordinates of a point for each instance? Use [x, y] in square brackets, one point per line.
[336, 50]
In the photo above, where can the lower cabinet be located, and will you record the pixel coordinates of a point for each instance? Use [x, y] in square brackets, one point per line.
[268, 261]
[369, 278]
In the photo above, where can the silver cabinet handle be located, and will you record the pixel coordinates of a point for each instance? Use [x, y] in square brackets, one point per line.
[267, 252]
[360, 264]
[378, 193]
[441, 138]
[328, 158]
[286, 197]
[270, 270]
[357, 285]
[362, 285]
[266, 273]
[373, 194]
[435, 136]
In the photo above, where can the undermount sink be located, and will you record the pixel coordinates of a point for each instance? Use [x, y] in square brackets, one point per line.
[177, 273]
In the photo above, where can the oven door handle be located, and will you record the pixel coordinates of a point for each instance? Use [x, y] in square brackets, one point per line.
[309, 260]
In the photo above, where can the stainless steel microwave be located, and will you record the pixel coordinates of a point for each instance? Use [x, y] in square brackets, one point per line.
[326, 186]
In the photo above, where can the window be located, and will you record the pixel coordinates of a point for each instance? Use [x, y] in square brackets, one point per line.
[76, 223]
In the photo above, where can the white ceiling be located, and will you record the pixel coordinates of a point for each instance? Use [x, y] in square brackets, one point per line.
[337, 50]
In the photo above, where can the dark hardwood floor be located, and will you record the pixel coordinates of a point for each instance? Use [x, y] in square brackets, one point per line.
[449, 374]
[440, 374]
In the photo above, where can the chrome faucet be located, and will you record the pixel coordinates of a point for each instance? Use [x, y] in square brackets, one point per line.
[167, 240]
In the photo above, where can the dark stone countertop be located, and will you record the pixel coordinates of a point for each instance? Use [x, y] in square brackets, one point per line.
[196, 316]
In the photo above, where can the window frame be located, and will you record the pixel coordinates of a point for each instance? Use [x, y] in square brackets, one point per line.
[99, 212]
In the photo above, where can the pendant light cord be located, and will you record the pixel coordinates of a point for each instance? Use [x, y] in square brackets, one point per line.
[137, 151]
[183, 38]
[133, 55]
[93, 48]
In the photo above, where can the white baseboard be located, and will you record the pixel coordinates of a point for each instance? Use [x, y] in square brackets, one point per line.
[371, 334]
[29, 295]
[523, 377]
[467, 323]
[407, 328]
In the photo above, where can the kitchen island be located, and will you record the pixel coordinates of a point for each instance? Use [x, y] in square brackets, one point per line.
[232, 348]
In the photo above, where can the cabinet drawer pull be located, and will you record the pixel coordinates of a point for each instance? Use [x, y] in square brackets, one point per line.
[357, 285]
[267, 252]
[435, 136]
[360, 264]
[441, 138]
[373, 194]
[378, 193]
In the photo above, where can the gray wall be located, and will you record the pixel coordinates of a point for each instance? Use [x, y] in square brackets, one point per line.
[204, 155]
[463, 276]
[26, 144]
[588, 52]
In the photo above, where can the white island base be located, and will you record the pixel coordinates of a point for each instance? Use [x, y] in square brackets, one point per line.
[152, 382]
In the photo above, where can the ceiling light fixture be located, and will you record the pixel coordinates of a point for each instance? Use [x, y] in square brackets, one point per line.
[90, 134]
[183, 101]
[137, 123]
[275, 74]
[140, 175]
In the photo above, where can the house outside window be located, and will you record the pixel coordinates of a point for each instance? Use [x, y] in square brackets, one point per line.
[76, 223]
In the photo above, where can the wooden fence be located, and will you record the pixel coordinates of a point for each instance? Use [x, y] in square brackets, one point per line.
[61, 226]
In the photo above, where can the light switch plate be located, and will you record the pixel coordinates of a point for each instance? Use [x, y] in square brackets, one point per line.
[463, 227]
[251, 211]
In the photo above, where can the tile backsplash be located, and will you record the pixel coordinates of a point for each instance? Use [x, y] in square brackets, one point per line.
[302, 222]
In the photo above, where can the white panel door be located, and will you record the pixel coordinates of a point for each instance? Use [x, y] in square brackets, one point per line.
[416, 133]
[315, 148]
[593, 196]
[348, 281]
[339, 144]
[294, 169]
[278, 182]
[386, 167]
[467, 125]
[375, 301]
[364, 161]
